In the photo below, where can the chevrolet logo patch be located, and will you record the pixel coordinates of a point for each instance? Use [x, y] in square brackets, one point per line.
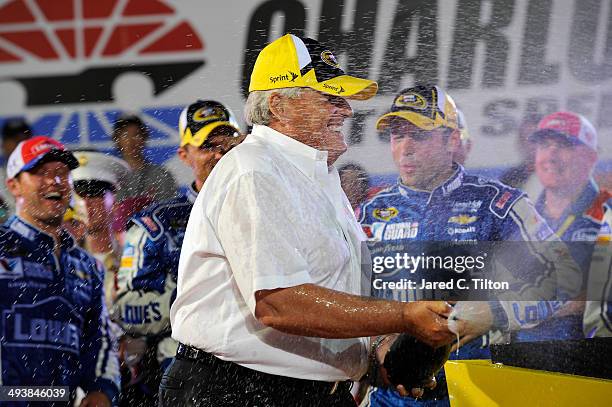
[462, 219]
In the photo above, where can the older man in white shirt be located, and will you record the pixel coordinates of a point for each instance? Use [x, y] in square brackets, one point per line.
[268, 308]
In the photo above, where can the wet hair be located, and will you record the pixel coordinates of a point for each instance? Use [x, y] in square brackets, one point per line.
[257, 108]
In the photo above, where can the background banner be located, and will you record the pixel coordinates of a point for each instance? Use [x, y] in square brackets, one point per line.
[71, 66]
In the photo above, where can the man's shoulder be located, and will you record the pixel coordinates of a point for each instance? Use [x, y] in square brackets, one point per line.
[383, 198]
[494, 195]
[161, 216]
[250, 157]
[10, 241]
[252, 154]
[599, 205]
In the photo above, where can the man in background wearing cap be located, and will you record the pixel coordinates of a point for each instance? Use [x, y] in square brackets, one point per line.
[14, 131]
[268, 308]
[55, 324]
[571, 203]
[96, 182]
[435, 200]
[146, 182]
[147, 277]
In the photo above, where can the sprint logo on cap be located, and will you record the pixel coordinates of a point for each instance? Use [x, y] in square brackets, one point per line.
[295, 62]
[337, 89]
[291, 77]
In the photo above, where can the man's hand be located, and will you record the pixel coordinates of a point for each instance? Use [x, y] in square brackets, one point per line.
[427, 322]
[96, 399]
[474, 320]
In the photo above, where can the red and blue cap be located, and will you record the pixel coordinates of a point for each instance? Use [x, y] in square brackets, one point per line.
[37, 150]
[573, 127]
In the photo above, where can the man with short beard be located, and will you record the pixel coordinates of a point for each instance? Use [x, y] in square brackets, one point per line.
[268, 309]
[435, 200]
[55, 324]
[147, 275]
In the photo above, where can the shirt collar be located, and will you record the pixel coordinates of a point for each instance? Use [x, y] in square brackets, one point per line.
[32, 233]
[444, 189]
[578, 207]
[310, 161]
[191, 194]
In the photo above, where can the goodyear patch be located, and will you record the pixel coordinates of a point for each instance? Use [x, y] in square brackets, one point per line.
[385, 214]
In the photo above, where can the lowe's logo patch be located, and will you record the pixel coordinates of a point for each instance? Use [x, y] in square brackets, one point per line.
[48, 324]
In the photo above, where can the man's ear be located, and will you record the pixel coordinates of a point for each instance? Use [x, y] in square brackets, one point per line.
[276, 106]
[454, 140]
[182, 154]
[14, 187]
[591, 157]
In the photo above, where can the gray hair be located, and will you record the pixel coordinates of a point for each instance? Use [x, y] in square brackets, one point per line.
[257, 108]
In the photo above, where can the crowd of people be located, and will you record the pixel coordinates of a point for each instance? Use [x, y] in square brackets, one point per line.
[132, 291]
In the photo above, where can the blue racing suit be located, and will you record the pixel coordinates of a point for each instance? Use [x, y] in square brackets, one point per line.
[580, 222]
[55, 325]
[598, 309]
[579, 225]
[464, 208]
[148, 271]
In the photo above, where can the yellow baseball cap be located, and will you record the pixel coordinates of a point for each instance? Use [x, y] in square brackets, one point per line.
[294, 62]
[427, 107]
[199, 119]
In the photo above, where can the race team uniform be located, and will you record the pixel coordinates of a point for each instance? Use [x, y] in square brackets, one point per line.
[55, 325]
[147, 276]
[581, 221]
[598, 310]
[464, 208]
[579, 226]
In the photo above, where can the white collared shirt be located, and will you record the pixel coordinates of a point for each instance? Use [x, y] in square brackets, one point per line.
[270, 215]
